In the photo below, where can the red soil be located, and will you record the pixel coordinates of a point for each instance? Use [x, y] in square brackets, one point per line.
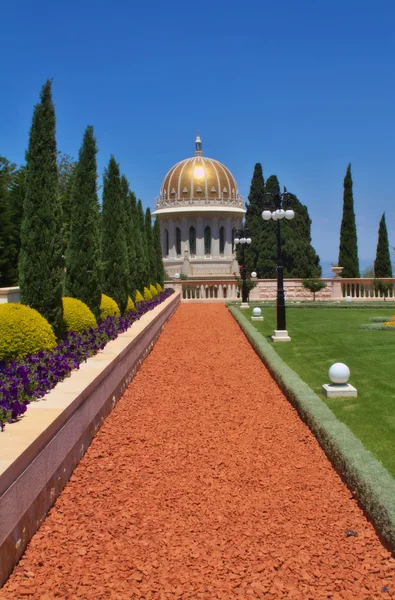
[204, 483]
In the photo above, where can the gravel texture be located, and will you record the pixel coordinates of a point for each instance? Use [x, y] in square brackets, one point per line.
[204, 483]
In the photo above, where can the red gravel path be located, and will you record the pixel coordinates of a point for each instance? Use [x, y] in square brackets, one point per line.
[203, 483]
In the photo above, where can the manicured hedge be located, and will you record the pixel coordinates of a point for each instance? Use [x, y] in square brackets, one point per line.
[31, 377]
[371, 483]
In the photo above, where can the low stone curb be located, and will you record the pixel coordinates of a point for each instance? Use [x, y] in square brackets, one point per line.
[366, 477]
[39, 453]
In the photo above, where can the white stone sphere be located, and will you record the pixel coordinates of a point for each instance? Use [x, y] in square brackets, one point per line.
[348, 298]
[253, 274]
[256, 312]
[339, 373]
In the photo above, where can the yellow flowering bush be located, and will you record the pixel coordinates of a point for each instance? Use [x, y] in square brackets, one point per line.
[153, 290]
[108, 308]
[147, 294]
[130, 307]
[138, 297]
[23, 331]
[159, 288]
[77, 316]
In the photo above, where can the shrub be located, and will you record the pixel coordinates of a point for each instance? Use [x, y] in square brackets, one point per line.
[77, 316]
[159, 288]
[108, 307]
[153, 290]
[138, 297]
[147, 294]
[23, 331]
[314, 285]
[130, 307]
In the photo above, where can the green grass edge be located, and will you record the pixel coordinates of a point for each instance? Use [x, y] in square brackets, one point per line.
[366, 477]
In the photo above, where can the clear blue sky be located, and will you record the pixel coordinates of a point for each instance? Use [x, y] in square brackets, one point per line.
[303, 87]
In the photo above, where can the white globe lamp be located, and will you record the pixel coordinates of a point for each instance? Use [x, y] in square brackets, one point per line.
[266, 215]
[253, 274]
[339, 373]
[348, 298]
[289, 214]
[256, 312]
[177, 276]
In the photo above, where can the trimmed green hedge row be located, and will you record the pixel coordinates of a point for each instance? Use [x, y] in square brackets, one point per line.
[371, 483]
[377, 327]
[319, 304]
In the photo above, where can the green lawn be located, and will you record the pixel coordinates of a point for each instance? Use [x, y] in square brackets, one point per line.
[323, 336]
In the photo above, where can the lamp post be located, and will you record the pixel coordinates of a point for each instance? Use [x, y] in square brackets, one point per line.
[281, 333]
[243, 241]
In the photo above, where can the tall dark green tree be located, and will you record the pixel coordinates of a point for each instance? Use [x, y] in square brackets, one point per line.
[16, 197]
[253, 221]
[382, 264]
[115, 280]
[150, 247]
[83, 255]
[348, 250]
[267, 258]
[8, 273]
[299, 257]
[41, 262]
[159, 270]
[129, 200]
[143, 264]
[66, 172]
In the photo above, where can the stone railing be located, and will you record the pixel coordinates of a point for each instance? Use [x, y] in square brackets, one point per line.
[219, 289]
[175, 203]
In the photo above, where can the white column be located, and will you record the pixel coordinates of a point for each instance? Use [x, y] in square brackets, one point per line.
[172, 239]
[199, 238]
[214, 237]
[228, 238]
[184, 236]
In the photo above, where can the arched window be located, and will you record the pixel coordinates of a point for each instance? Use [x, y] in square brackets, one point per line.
[233, 238]
[178, 241]
[207, 240]
[222, 241]
[192, 241]
[166, 242]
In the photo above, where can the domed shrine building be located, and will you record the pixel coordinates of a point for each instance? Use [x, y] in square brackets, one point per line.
[199, 211]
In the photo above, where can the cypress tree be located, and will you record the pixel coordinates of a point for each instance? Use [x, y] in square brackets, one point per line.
[382, 264]
[115, 280]
[143, 265]
[348, 250]
[299, 257]
[159, 270]
[150, 247]
[16, 197]
[254, 224]
[7, 246]
[267, 258]
[83, 256]
[129, 200]
[41, 263]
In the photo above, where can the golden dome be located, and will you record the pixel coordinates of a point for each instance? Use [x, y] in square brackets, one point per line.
[199, 180]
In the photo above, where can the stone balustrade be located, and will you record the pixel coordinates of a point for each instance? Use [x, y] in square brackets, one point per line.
[221, 289]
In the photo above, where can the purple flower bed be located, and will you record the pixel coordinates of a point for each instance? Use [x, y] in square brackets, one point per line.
[31, 377]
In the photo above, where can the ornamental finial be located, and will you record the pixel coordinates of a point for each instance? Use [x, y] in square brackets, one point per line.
[198, 145]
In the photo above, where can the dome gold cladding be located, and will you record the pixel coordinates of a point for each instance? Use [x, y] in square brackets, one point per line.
[199, 180]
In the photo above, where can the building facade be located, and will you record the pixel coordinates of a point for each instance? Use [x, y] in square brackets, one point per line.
[199, 211]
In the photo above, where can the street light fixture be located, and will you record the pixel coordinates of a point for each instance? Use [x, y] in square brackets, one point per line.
[281, 333]
[243, 241]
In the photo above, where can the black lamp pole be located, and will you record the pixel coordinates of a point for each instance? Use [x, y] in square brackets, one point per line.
[243, 241]
[278, 215]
